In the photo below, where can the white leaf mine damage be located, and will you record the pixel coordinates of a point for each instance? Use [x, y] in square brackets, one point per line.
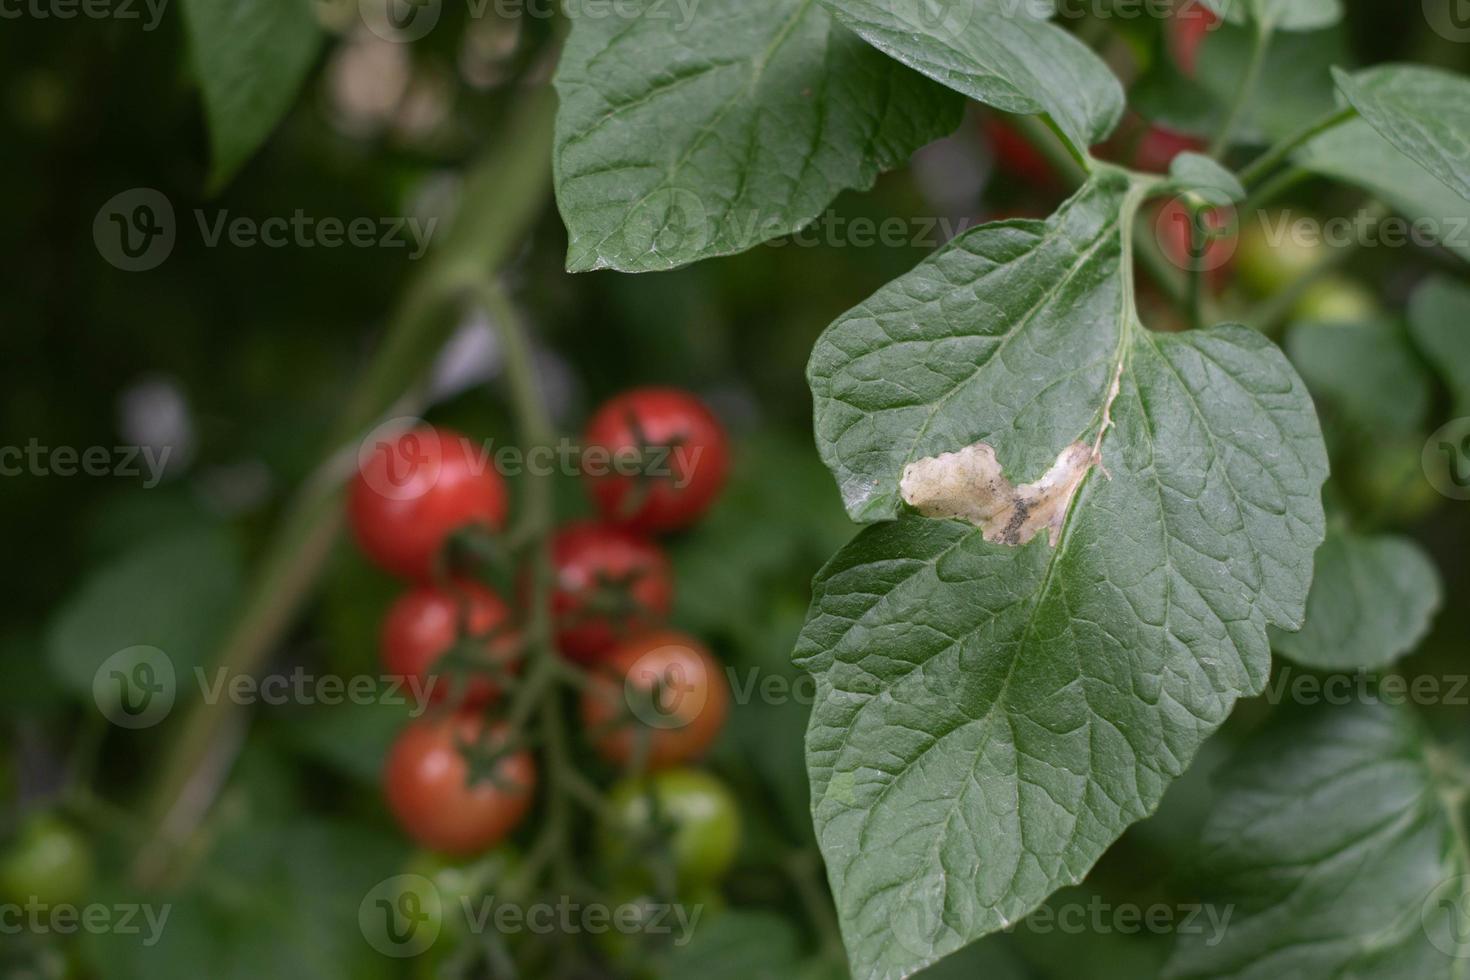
[969, 484]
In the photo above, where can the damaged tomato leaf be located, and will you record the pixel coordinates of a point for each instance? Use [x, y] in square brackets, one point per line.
[996, 704]
[1335, 839]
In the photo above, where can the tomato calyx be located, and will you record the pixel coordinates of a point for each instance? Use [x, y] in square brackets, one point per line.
[485, 755]
[648, 461]
[613, 596]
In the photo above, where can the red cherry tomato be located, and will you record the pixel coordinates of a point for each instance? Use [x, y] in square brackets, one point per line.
[426, 782]
[1211, 257]
[663, 690]
[412, 492]
[1187, 30]
[427, 622]
[1158, 147]
[655, 459]
[1014, 155]
[611, 583]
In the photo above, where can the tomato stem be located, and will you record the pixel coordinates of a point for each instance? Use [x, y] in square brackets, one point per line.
[502, 197]
[1274, 157]
[1249, 82]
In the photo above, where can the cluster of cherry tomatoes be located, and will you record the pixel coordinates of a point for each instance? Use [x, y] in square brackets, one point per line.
[462, 778]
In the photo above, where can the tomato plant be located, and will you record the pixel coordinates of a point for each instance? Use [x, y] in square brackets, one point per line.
[675, 447]
[1191, 24]
[440, 799]
[610, 583]
[416, 490]
[424, 628]
[660, 696]
[48, 860]
[687, 813]
[878, 590]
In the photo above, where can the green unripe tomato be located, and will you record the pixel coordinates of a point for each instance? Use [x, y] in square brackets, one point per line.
[49, 860]
[687, 811]
[458, 882]
[1390, 484]
[1271, 255]
[1336, 299]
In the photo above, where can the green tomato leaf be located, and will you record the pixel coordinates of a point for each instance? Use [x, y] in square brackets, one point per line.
[1439, 318]
[1285, 15]
[1424, 112]
[1362, 374]
[174, 594]
[1295, 88]
[676, 142]
[999, 697]
[1199, 174]
[1371, 602]
[250, 58]
[1334, 842]
[1356, 154]
[1000, 53]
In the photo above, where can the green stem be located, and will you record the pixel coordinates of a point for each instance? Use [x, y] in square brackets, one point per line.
[1263, 165]
[803, 868]
[1274, 188]
[1195, 302]
[501, 198]
[538, 514]
[1042, 133]
[1243, 95]
[1165, 274]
